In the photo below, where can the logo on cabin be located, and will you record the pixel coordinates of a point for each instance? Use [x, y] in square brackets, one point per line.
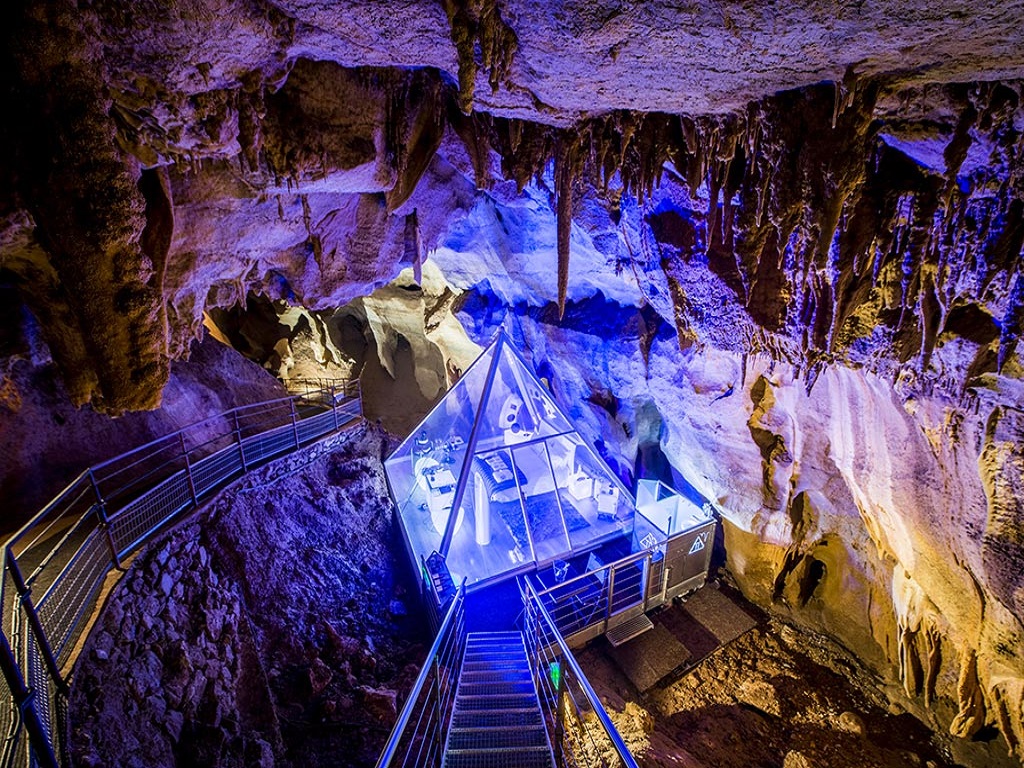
[698, 543]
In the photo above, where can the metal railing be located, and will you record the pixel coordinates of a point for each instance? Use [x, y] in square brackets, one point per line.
[312, 387]
[432, 699]
[580, 730]
[55, 565]
[592, 603]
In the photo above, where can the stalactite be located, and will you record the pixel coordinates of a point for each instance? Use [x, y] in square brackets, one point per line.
[476, 131]
[933, 662]
[415, 120]
[473, 23]
[814, 236]
[1009, 714]
[814, 370]
[845, 94]
[564, 162]
[463, 31]
[314, 241]
[497, 44]
[251, 111]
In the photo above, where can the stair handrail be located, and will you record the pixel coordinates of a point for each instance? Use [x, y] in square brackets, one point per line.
[450, 618]
[570, 660]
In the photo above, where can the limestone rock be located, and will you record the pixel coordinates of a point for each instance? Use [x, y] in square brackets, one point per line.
[380, 702]
[212, 675]
[761, 695]
[851, 722]
[797, 759]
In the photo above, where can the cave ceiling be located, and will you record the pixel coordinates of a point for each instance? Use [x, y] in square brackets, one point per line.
[834, 182]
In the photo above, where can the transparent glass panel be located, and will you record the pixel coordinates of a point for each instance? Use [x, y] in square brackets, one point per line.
[592, 503]
[670, 511]
[492, 537]
[425, 468]
[425, 510]
[647, 534]
[646, 492]
[518, 408]
[534, 491]
[664, 492]
[541, 502]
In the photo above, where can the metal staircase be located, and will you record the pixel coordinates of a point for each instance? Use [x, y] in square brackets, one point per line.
[497, 721]
[503, 700]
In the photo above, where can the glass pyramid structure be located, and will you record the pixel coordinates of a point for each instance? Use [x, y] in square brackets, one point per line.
[498, 481]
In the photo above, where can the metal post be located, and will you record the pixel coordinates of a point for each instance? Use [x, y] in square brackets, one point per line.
[25, 700]
[295, 422]
[33, 619]
[560, 713]
[645, 580]
[460, 486]
[437, 706]
[101, 512]
[238, 439]
[334, 405]
[611, 591]
[188, 471]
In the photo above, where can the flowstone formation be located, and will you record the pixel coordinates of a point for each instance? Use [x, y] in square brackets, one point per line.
[773, 251]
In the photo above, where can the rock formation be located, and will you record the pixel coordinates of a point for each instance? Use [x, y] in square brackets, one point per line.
[775, 251]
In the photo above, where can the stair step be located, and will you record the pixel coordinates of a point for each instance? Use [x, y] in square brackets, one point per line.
[527, 757]
[497, 721]
[496, 644]
[482, 636]
[497, 718]
[493, 665]
[511, 653]
[496, 676]
[484, 666]
[503, 688]
[495, 648]
[494, 701]
[629, 629]
[496, 738]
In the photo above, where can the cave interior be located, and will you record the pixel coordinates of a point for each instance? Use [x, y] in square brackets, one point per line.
[766, 254]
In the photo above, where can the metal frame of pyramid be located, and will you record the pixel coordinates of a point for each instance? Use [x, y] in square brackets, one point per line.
[538, 407]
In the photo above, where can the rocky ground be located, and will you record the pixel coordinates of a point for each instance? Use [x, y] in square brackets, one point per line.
[274, 629]
[777, 697]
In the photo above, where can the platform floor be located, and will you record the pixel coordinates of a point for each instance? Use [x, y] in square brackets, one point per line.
[684, 635]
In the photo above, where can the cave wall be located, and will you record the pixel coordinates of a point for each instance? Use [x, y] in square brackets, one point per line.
[171, 159]
[47, 442]
[777, 248]
[873, 500]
